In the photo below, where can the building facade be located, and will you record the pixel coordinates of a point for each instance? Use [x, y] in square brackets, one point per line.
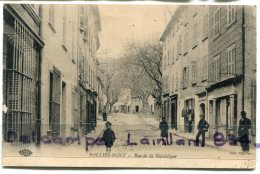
[209, 67]
[69, 81]
[232, 67]
[21, 72]
[185, 55]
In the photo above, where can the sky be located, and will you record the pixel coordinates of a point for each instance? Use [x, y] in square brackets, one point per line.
[123, 23]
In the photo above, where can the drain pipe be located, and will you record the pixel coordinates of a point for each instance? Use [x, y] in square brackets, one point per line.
[243, 58]
[39, 83]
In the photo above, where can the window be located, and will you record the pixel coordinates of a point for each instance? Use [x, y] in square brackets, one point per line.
[185, 78]
[231, 14]
[81, 17]
[178, 52]
[205, 68]
[217, 22]
[231, 56]
[186, 43]
[172, 83]
[195, 36]
[21, 71]
[54, 107]
[172, 54]
[86, 27]
[205, 26]
[64, 34]
[216, 68]
[193, 72]
[51, 15]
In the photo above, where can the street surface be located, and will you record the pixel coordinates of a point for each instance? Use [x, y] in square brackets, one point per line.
[132, 128]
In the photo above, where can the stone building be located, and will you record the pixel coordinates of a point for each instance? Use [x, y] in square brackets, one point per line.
[69, 81]
[209, 67]
[21, 72]
[232, 67]
[185, 55]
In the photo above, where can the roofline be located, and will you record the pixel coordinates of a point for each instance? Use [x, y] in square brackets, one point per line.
[172, 22]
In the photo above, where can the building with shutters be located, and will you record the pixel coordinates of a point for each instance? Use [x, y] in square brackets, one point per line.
[184, 67]
[69, 69]
[22, 45]
[209, 67]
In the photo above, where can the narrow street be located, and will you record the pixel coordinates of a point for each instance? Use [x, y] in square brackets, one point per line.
[137, 127]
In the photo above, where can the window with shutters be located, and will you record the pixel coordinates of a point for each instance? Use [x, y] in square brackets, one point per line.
[81, 17]
[231, 14]
[217, 22]
[204, 68]
[54, 108]
[186, 43]
[64, 28]
[51, 16]
[21, 73]
[86, 27]
[185, 77]
[195, 36]
[231, 56]
[216, 68]
[205, 26]
[178, 52]
[193, 72]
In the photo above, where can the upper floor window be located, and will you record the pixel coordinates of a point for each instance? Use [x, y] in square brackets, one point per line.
[64, 31]
[217, 22]
[216, 68]
[195, 35]
[231, 14]
[186, 42]
[204, 68]
[231, 56]
[81, 17]
[51, 15]
[193, 72]
[178, 52]
[205, 26]
[185, 77]
[177, 82]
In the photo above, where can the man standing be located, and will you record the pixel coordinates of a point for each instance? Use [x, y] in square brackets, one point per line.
[244, 126]
[164, 130]
[203, 126]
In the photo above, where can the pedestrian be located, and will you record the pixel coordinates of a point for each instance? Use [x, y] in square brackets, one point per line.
[104, 116]
[203, 126]
[109, 136]
[244, 126]
[185, 114]
[164, 130]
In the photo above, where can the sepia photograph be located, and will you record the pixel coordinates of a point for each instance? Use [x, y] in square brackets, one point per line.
[129, 85]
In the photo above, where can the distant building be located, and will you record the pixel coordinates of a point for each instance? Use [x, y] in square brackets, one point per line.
[21, 72]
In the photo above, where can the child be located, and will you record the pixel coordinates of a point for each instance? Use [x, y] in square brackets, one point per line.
[109, 136]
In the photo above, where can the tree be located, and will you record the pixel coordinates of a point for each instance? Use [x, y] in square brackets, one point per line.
[147, 57]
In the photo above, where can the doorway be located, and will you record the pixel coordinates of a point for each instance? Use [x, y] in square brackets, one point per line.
[174, 113]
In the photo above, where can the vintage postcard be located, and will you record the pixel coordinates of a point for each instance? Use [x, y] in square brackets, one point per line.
[134, 86]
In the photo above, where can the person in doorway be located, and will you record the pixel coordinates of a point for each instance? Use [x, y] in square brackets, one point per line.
[244, 126]
[164, 130]
[203, 126]
[186, 114]
[109, 136]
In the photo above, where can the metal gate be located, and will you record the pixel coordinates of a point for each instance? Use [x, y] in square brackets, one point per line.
[20, 69]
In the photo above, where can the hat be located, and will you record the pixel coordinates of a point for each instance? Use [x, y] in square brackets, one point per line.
[243, 112]
[108, 124]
